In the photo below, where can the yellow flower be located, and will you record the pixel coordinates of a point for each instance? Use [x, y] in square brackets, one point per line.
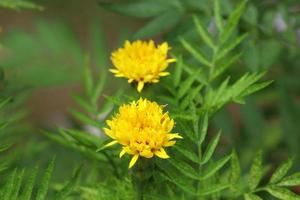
[141, 62]
[143, 129]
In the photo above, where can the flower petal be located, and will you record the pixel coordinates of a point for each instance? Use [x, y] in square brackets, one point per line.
[133, 160]
[169, 143]
[111, 143]
[146, 153]
[164, 73]
[140, 86]
[174, 135]
[162, 153]
[122, 153]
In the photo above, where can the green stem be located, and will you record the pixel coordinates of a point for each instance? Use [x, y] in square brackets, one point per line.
[139, 188]
[141, 175]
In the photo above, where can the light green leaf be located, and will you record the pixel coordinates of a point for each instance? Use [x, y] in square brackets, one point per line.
[27, 192]
[43, 189]
[232, 21]
[235, 171]
[282, 193]
[256, 171]
[8, 188]
[231, 46]
[252, 197]
[256, 87]
[225, 65]
[210, 149]
[281, 171]
[215, 167]
[203, 33]
[218, 15]
[292, 180]
[187, 153]
[203, 128]
[17, 186]
[185, 86]
[184, 168]
[178, 71]
[19, 4]
[196, 53]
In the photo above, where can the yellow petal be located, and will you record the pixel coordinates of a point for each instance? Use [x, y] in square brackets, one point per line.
[140, 86]
[174, 135]
[133, 160]
[111, 143]
[108, 132]
[169, 143]
[130, 80]
[162, 153]
[146, 153]
[171, 60]
[114, 71]
[122, 153]
[164, 73]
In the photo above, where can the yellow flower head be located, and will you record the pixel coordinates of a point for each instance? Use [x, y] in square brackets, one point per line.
[141, 62]
[143, 129]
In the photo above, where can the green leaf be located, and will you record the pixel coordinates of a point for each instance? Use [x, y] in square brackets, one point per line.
[232, 21]
[231, 46]
[215, 167]
[218, 15]
[20, 4]
[27, 192]
[235, 171]
[210, 149]
[203, 33]
[69, 187]
[4, 147]
[98, 89]
[203, 128]
[184, 168]
[163, 22]
[44, 185]
[256, 171]
[178, 71]
[17, 186]
[139, 9]
[172, 176]
[83, 103]
[185, 86]
[252, 197]
[88, 77]
[256, 87]
[85, 119]
[196, 53]
[9, 186]
[213, 189]
[224, 66]
[188, 154]
[281, 171]
[282, 193]
[292, 180]
[191, 96]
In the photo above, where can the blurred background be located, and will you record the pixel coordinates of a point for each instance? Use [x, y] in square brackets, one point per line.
[42, 56]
